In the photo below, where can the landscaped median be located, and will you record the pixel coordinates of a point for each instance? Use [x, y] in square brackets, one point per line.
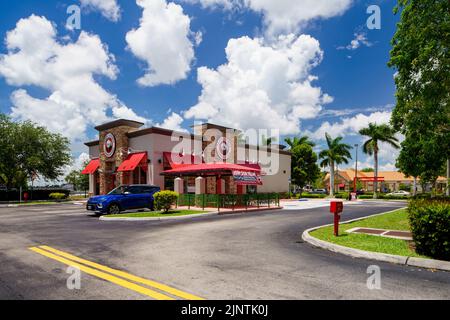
[371, 246]
[156, 215]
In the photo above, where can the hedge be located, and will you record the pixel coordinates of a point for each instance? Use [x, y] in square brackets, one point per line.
[313, 196]
[430, 226]
[342, 195]
[35, 194]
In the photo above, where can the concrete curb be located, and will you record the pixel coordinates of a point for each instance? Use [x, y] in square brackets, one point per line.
[217, 213]
[357, 253]
[198, 215]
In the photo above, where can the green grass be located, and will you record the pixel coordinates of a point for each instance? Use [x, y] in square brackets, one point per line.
[34, 203]
[397, 220]
[157, 214]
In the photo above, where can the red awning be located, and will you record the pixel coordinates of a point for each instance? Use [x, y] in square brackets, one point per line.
[210, 169]
[178, 161]
[91, 167]
[133, 161]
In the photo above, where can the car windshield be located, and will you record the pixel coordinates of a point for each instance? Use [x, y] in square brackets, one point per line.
[119, 190]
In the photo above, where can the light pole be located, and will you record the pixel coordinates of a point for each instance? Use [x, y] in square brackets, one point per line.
[356, 169]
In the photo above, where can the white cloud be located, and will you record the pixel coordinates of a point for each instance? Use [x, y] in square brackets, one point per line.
[172, 122]
[359, 40]
[285, 16]
[350, 126]
[262, 85]
[163, 41]
[110, 9]
[225, 4]
[35, 57]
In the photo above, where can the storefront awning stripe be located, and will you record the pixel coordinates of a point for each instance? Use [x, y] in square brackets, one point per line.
[208, 168]
[178, 161]
[92, 167]
[132, 162]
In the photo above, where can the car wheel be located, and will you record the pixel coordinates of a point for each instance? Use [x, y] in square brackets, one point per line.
[114, 209]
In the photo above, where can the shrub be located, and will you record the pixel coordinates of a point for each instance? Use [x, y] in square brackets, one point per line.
[365, 196]
[313, 196]
[57, 196]
[342, 195]
[430, 226]
[164, 200]
[392, 197]
[285, 195]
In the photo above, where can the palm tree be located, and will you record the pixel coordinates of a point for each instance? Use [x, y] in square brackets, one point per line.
[377, 133]
[336, 153]
[268, 141]
[299, 141]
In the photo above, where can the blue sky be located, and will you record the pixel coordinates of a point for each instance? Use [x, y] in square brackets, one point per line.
[357, 78]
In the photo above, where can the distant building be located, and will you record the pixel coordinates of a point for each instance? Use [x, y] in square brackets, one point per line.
[388, 181]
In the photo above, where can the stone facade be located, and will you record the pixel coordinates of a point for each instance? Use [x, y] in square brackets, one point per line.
[108, 178]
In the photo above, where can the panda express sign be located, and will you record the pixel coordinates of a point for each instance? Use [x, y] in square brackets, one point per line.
[247, 178]
[109, 146]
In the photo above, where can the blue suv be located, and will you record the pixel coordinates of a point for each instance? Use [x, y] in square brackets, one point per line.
[124, 198]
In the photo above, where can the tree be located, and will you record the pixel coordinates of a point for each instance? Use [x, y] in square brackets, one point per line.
[10, 174]
[79, 181]
[27, 151]
[336, 153]
[268, 141]
[292, 142]
[304, 165]
[421, 58]
[411, 149]
[368, 170]
[377, 133]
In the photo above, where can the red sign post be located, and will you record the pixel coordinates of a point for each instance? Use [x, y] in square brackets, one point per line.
[336, 207]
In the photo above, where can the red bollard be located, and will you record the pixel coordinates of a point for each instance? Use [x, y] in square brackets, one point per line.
[336, 207]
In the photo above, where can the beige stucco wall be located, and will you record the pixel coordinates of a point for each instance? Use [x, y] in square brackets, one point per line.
[94, 152]
[277, 181]
[276, 178]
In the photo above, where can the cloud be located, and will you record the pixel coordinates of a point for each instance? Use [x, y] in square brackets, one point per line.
[331, 113]
[284, 16]
[163, 41]
[172, 122]
[359, 40]
[110, 9]
[262, 85]
[67, 70]
[350, 126]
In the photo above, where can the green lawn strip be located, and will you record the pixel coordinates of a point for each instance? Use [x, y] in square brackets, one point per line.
[396, 220]
[173, 213]
[37, 203]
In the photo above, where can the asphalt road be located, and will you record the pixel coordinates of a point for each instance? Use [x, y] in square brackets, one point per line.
[243, 256]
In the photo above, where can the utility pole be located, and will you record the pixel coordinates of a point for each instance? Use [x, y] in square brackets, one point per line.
[356, 169]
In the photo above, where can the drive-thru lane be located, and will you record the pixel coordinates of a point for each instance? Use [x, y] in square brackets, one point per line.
[242, 256]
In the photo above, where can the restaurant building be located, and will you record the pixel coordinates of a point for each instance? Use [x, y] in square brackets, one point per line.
[211, 160]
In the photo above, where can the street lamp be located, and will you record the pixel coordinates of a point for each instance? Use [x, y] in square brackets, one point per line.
[356, 168]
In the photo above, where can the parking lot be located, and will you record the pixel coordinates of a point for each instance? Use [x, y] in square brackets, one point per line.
[243, 256]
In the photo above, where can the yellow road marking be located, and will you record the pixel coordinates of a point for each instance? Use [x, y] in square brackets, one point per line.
[105, 276]
[125, 275]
